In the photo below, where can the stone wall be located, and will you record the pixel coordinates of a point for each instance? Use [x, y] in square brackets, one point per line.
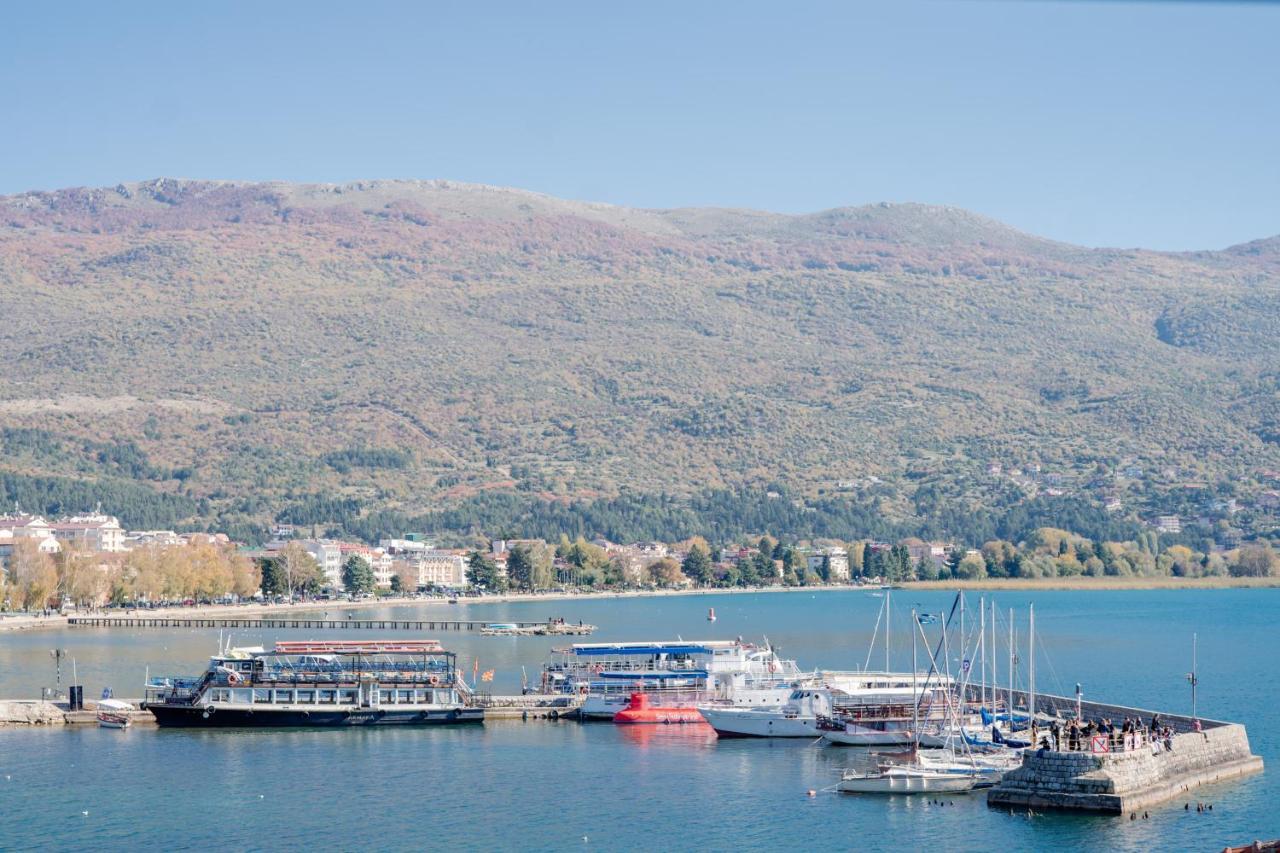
[1126, 781]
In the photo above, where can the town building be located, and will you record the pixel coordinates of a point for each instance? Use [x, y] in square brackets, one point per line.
[92, 532]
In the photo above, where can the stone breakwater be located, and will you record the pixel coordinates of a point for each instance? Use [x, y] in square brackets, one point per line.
[31, 713]
[1125, 782]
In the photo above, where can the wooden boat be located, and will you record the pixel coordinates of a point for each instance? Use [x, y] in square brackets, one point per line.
[114, 714]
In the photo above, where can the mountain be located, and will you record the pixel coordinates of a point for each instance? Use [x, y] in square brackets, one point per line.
[405, 345]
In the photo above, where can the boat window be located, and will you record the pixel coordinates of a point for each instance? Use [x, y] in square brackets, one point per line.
[385, 697]
[284, 697]
[404, 696]
[327, 697]
[261, 697]
[347, 697]
[242, 695]
[422, 696]
[222, 695]
[307, 696]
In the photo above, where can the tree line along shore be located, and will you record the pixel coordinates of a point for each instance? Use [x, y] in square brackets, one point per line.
[211, 569]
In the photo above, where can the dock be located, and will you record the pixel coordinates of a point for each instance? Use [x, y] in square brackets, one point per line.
[1119, 775]
[533, 706]
[552, 628]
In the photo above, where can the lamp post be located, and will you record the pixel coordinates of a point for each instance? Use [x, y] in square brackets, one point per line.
[57, 655]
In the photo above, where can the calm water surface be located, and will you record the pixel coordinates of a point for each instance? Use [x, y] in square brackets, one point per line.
[562, 786]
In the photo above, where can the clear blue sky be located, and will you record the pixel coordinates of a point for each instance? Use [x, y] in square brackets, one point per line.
[1124, 124]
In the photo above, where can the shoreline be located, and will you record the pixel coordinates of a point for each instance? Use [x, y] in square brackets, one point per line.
[37, 623]
[1092, 583]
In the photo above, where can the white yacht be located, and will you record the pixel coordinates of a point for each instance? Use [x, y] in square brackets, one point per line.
[798, 717]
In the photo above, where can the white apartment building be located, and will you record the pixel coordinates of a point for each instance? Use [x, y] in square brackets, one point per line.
[435, 568]
[839, 564]
[328, 555]
[94, 532]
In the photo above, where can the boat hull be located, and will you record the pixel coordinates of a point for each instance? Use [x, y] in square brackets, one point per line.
[187, 716]
[868, 737]
[730, 723]
[914, 784]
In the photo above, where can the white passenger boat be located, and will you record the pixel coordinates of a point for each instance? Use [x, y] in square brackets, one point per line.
[907, 779]
[115, 714]
[319, 683]
[671, 674]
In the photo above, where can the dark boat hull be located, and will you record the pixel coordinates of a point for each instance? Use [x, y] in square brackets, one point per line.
[186, 716]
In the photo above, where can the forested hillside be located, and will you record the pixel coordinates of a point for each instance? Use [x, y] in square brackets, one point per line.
[390, 353]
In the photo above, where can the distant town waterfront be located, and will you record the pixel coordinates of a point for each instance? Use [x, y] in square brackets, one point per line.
[93, 561]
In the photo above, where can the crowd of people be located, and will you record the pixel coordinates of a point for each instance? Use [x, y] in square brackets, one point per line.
[1129, 735]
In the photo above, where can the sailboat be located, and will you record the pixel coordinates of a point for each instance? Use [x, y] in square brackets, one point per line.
[916, 776]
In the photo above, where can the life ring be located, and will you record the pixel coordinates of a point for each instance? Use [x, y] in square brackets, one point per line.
[773, 666]
[233, 678]
[433, 680]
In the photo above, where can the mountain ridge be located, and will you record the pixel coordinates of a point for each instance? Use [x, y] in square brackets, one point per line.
[508, 340]
[178, 191]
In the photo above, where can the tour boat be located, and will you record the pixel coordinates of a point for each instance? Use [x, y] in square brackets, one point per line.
[907, 779]
[673, 674]
[319, 683]
[876, 704]
[114, 714]
[641, 710]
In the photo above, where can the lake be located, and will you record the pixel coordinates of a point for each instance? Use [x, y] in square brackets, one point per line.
[561, 786]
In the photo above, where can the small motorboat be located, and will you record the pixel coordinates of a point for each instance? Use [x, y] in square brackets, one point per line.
[115, 714]
[711, 615]
[907, 779]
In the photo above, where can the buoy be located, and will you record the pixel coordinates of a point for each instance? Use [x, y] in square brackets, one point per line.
[711, 615]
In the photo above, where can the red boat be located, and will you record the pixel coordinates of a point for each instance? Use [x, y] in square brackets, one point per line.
[639, 710]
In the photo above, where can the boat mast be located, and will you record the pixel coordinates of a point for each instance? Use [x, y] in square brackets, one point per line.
[1012, 661]
[1031, 663]
[982, 648]
[994, 660]
[887, 593]
[915, 694]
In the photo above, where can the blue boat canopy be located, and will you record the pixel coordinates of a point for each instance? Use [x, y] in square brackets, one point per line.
[642, 649]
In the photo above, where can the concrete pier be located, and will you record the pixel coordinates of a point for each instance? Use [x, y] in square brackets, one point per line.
[1100, 778]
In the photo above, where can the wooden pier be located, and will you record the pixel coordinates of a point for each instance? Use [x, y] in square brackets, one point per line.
[539, 628]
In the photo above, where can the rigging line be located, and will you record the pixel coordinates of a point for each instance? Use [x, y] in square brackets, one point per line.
[875, 632]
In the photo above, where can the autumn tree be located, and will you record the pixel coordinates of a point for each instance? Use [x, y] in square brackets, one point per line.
[665, 573]
[32, 576]
[299, 571]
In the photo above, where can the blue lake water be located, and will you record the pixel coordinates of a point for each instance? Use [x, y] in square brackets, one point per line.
[562, 786]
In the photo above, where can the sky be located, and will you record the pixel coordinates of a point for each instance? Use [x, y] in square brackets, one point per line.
[1153, 124]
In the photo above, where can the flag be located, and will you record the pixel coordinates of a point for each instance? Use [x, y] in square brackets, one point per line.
[488, 675]
[475, 669]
